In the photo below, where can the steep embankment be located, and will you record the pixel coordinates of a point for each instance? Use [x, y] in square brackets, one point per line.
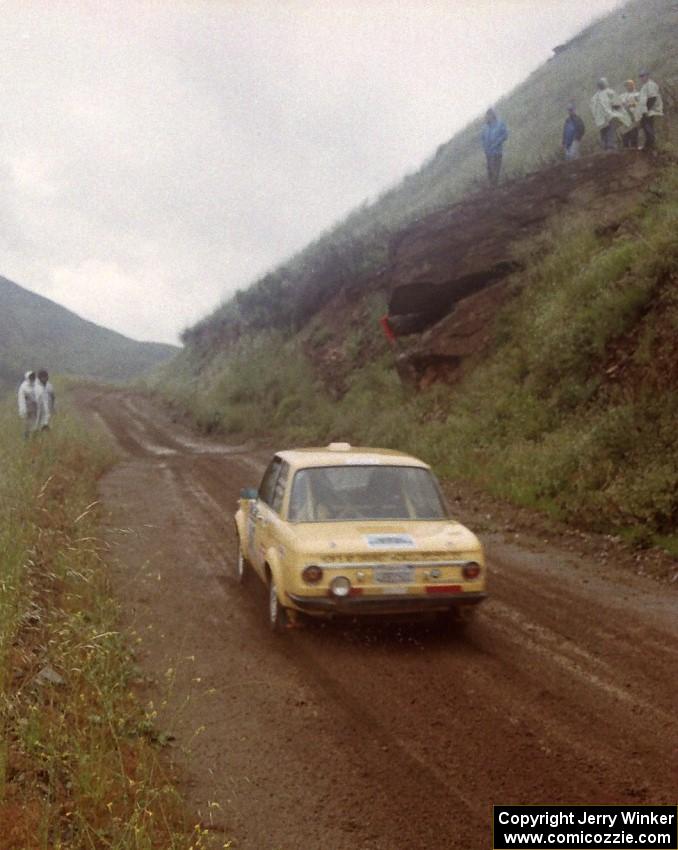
[536, 322]
[566, 397]
[36, 332]
[449, 273]
[641, 33]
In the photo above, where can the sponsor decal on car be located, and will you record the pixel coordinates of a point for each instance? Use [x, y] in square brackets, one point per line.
[389, 541]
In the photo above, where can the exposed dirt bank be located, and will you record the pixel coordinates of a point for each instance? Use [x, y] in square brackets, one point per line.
[447, 273]
[376, 738]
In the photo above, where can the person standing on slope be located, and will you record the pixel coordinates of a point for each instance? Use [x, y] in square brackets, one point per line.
[608, 114]
[28, 403]
[573, 132]
[493, 137]
[650, 106]
[46, 400]
[630, 100]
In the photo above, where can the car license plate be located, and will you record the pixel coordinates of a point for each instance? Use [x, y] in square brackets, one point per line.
[397, 574]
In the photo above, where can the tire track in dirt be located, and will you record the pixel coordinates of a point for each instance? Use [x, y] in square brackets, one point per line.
[384, 737]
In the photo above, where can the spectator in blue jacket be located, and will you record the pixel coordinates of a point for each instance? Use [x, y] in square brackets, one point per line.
[573, 132]
[493, 138]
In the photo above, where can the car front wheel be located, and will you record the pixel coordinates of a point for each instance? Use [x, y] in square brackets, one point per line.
[277, 614]
[242, 566]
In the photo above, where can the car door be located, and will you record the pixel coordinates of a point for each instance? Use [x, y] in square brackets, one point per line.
[262, 515]
[270, 511]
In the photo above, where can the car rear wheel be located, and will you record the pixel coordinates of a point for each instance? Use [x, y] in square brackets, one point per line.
[278, 617]
[458, 619]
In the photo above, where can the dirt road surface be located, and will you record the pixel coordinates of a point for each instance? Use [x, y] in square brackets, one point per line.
[345, 737]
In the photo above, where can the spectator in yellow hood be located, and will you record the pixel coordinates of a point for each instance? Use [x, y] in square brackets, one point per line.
[630, 100]
[608, 114]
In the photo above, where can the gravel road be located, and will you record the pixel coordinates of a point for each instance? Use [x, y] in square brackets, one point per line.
[377, 737]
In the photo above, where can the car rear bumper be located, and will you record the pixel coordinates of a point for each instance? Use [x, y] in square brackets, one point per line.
[406, 603]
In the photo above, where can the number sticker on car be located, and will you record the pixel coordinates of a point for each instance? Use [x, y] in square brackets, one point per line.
[389, 541]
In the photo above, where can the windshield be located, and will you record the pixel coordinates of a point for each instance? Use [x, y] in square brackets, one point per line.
[328, 493]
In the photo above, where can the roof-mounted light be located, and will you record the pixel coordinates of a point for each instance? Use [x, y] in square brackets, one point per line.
[339, 447]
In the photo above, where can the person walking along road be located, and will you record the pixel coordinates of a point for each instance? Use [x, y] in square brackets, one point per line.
[46, 400]
[573, 133]
[493, 137]
[28, 404]
[651, 107]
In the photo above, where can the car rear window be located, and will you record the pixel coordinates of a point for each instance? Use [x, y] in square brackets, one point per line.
[335, 493]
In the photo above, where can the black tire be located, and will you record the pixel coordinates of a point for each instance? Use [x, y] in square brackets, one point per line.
[278, 618]
[457, 620]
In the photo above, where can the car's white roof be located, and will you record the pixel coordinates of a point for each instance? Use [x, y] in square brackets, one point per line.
[341, 454]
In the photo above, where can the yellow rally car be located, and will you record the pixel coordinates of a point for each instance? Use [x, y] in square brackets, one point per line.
[354, 531]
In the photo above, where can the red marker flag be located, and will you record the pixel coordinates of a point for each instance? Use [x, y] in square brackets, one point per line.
[387, 329]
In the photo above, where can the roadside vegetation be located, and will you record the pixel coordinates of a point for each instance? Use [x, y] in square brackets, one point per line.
[573, 412]
[79, 766]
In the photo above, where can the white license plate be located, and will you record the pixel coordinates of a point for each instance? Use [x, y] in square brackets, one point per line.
[398, 574]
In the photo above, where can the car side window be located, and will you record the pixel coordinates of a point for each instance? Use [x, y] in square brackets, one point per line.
[268, 482]
[279, 489]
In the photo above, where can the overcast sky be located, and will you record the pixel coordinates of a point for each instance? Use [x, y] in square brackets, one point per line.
[156, 156]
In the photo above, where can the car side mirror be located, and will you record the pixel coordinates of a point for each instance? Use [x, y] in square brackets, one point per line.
[249, 494]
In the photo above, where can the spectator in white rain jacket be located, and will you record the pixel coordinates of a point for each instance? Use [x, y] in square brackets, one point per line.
[28, 403]
[46, 400]
[651, 106]
[608, 114]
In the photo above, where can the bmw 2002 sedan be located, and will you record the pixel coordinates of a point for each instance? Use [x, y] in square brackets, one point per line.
[352, 531]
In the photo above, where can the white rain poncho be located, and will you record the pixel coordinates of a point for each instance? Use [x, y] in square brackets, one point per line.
[27, 400]
[648, 91]
[46, 403]
[606, 107]
[630, 100]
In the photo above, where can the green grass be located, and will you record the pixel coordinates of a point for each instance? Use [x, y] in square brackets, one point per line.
[78, 768]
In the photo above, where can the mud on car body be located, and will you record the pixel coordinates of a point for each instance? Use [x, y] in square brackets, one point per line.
[352, 531]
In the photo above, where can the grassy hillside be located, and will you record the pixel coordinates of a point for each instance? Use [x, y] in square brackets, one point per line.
[35, 332]
[641, 34]
[572, 406]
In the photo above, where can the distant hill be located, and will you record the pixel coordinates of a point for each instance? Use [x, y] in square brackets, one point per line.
[35, 332]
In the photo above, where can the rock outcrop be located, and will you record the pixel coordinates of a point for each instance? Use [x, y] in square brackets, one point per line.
[448, 271]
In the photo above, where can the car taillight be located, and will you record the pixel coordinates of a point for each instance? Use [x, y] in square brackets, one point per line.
[312, 574]
[471, 570]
